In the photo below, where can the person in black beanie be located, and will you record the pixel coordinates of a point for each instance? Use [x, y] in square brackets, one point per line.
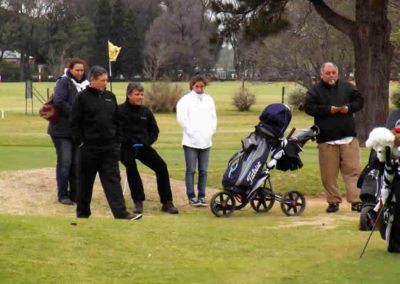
[95, 130]
[139, 131]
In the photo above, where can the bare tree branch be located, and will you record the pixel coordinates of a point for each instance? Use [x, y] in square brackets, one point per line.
[340, 22]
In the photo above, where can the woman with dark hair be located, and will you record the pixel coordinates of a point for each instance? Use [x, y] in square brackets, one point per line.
[197, 117]
[67, 86]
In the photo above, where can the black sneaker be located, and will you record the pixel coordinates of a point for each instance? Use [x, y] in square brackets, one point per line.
[356, 206]
[332, 208]
[194, 202]
[133, 216]
[66, 201]
[138, 207]
[202, 201]
[169, 207]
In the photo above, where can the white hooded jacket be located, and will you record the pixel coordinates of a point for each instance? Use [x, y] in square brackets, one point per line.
[198, 119]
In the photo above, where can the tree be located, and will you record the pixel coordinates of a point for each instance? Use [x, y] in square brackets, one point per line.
[83, 32]
[27, 29]
[5, 30]
[118, 32]
[131, 56]
[183, 31]
[56, 40]
[296, 53]
[369, 33]
[102, 35]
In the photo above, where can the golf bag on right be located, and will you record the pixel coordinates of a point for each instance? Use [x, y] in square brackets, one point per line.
[382, 175]
[389, 225]
[370, 182]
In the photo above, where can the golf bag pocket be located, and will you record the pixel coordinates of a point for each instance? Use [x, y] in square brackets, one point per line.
[370, 187]
[245, 167]
[249, 142]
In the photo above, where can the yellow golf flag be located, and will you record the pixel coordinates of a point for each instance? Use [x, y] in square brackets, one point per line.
[113, 51]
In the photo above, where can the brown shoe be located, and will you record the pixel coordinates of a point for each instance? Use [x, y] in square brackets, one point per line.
[332, 208]
[169, 207]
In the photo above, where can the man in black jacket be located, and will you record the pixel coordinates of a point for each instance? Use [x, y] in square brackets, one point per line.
[95, 130]
[139, 131]
[332, 103]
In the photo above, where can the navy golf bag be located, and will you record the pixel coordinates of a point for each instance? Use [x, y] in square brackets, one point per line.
[246, 166]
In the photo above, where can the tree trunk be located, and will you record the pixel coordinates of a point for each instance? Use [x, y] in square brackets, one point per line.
[373, 54]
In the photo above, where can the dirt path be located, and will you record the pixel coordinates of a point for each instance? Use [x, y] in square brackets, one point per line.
[32, 192]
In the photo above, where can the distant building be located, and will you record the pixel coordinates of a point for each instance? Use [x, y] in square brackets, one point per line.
[13, 57]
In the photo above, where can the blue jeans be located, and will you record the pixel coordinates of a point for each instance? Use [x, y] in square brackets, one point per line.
[65, 169]
[192, 155]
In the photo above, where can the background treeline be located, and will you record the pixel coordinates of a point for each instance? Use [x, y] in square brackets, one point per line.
[171, 39]
[158, 38]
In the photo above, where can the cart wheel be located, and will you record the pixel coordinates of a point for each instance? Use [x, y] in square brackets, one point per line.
[293, 203]
[240, 201]
[222, 204]
[367, 218]
[262, 201]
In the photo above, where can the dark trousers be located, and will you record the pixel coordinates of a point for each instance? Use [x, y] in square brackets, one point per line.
[65, 169]
[102, 160]
[149, 157]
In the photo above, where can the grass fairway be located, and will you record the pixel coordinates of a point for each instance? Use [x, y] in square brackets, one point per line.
[191, 248]
[194, 246]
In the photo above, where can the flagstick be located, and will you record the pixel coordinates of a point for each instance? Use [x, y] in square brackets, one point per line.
[109, 66]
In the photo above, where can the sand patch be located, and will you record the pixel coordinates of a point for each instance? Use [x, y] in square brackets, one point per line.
[33, 192]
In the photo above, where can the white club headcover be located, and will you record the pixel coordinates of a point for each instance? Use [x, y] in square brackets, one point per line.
[379, 138]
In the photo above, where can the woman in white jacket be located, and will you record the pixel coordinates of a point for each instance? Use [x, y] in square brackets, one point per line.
[196, 115]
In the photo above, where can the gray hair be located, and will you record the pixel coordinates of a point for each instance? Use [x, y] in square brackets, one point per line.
[96, 71]
[133, 86]
[328, 63]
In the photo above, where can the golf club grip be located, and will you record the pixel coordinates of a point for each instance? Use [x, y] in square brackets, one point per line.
[388, 154]
[291, 132]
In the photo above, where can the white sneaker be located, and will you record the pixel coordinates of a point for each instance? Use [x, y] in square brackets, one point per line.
[194, 202]
[202, 202]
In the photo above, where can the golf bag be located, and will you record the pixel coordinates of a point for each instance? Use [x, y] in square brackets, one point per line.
[380, 183]
[369, 182]
[390, 225]
[246, 166]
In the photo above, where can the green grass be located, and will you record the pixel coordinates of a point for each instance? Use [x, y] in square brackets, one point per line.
[193, 247]
[190, 248]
